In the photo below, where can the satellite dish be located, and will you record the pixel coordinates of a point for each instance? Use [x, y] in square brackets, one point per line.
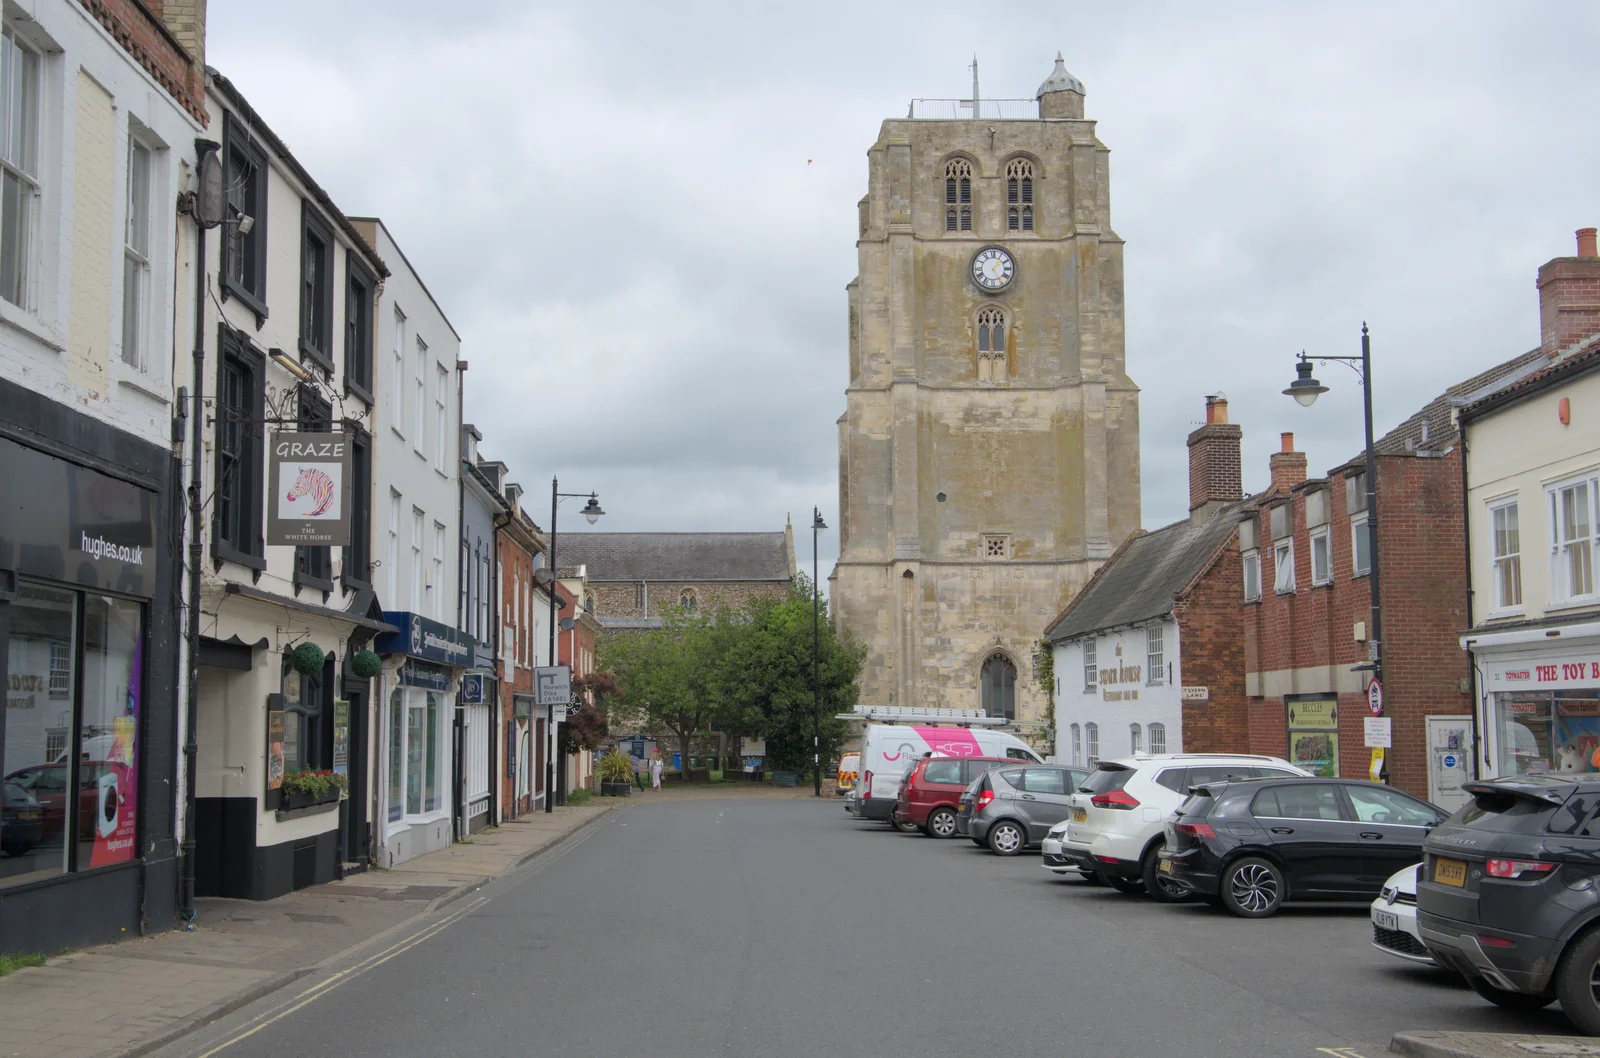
[567, 624]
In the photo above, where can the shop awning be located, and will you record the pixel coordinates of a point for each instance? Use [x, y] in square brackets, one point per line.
[230, 653]
[311, 608]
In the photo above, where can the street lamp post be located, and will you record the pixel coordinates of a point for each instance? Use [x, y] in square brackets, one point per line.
[817, 525]
[591, 511]
[1305, 390]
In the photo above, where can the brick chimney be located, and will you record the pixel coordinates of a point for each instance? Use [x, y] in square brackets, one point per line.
[1288, 466]
[1215, 469]
[1569, 297]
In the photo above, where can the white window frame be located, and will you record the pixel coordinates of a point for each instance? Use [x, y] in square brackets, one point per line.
[1091, 665]
[1251, 561]
[436, 589]
[24, 165]
[419, 407]
[417, 698]
[1135, 739]
[1156, 738]
[1565, 551]
[1155, 655]
[136, 270]
[441, 428]
[418, 519]
[1512, 560]
[393, 599]
[397, 403]
[1077, 745]
[1283, 566]
[1323, 537]
[1358, 530]
[1091, 737]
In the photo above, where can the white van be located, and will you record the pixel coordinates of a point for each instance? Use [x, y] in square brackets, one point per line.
[888, 751]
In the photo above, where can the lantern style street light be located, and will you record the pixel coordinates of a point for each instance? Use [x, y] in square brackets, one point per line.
[592, 512]
[1305, 390]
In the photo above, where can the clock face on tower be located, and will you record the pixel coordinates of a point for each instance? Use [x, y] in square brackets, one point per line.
[992, 268]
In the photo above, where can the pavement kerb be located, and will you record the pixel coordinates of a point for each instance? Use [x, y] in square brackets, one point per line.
[1425, 1044]
[214, 1012]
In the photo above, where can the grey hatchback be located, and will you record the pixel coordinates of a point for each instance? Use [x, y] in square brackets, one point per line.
[1011, 807]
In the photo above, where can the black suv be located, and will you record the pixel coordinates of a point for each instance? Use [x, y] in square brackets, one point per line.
[1507, 895]
[1251, 844]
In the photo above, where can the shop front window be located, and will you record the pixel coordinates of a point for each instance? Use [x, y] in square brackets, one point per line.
[1541, 731]
[431, 785]
[75, 682]
[416, 753]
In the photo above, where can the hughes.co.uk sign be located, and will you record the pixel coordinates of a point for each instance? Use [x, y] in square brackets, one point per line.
[1558, 672]
[309, 475]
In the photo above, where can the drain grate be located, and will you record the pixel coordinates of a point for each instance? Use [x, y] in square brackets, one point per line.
[326, 920]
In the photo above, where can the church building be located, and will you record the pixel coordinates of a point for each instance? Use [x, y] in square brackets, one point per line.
[989, 450]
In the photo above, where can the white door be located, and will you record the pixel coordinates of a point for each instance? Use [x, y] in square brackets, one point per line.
[1449, 760]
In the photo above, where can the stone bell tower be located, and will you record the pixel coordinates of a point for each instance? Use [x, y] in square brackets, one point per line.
[989, 450]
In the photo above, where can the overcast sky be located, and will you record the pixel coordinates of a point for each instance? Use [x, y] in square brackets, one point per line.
[641, 217]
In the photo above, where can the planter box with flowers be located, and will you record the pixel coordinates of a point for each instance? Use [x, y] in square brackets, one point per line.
[616, 775]
[307, 788]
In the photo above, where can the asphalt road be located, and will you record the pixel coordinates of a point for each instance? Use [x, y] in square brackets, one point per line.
[775, 928]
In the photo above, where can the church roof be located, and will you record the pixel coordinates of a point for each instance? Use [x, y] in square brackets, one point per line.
[1141, 580]
[677, 556]
[1059, 80]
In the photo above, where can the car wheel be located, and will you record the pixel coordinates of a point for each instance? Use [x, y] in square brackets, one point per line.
[1161, 887]
[1252, 888]
[1007, 838]
[1577, 982]
[906, 827]
[1526, 1002]
[942, 823]
[1130, 886]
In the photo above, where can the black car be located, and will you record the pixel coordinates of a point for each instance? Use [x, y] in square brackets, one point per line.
[1508, 895]
[21, 820]
[1251, 844]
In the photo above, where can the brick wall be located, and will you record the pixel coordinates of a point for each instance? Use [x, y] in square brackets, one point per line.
[167, 38]
[516, 565]
[1211, 647]
[621, 598]
[1569, 299]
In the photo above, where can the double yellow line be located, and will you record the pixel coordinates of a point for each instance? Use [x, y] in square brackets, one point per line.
[328, 984]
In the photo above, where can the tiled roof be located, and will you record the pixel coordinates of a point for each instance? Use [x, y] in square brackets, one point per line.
[1141, 579]
[677, 556]
[1583, 359]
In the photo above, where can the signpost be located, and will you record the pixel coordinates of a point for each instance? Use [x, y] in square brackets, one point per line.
[1195, 694]
[1375, 696]
[552, 685]
[310, 475]
[1378, 733]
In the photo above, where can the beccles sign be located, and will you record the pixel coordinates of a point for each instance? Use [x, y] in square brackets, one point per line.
[310, 475]
[1552, 675]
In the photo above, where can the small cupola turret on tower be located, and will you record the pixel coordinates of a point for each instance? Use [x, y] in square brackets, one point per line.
[1061, 95]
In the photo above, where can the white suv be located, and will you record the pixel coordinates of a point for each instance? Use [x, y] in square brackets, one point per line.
[1118, 813]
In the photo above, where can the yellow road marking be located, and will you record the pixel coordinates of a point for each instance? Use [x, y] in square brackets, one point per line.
[321, 988]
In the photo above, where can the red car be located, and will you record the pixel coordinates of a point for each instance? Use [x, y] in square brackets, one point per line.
[47, 783]
[929, 796]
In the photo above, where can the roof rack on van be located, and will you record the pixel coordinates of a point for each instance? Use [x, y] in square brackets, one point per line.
[900, 714]
[1201, 756]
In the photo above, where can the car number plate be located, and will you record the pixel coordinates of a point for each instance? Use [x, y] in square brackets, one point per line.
[1450, 872]
[1386, 920]
[1080, 816]
[1165, 867]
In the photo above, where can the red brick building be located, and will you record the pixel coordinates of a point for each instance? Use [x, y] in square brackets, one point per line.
[1306, 566]
[522, 605]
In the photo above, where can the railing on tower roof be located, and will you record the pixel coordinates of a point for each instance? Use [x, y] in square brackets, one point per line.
[959, 109]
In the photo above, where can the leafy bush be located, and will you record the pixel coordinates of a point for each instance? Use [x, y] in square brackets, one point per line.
[614, 767]
[577, 797]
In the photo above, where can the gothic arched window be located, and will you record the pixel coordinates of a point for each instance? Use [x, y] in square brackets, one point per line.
[688, 600]
[992, 345]
[1019, 195]
[958, 195]
[999, 684]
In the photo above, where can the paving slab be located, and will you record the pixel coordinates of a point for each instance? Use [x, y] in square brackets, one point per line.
[1489, 1045]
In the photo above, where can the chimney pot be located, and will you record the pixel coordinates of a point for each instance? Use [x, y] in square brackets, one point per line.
[1286, 442]
[1216, 410]
[1288, 467]
[1215, 473]
[1586, 243]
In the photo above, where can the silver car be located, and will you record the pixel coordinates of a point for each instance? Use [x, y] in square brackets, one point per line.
[1011, 807]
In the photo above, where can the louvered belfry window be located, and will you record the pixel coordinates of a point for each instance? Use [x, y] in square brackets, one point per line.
[1019, 195]
[958, 195]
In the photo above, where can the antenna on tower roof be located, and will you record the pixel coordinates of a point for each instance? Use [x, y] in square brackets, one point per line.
[974, 85]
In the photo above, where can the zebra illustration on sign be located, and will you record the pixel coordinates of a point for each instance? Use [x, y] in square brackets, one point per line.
[315, 484]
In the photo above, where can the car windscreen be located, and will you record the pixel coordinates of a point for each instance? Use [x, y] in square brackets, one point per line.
[942, 771]
[1105, 779]
[1505, 811]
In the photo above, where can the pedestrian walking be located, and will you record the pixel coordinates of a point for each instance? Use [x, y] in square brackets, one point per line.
[655, 773]
[638, 770]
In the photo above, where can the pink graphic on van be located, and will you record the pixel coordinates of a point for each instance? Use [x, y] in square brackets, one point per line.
[951, 741]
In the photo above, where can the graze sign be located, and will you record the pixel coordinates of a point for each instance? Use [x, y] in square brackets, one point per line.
[1553, 674]
[310, 474]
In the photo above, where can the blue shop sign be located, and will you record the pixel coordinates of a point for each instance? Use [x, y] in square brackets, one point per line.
[422, 674]
[422, 637]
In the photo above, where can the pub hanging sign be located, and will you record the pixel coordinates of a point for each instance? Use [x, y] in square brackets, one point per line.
[310, 476]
